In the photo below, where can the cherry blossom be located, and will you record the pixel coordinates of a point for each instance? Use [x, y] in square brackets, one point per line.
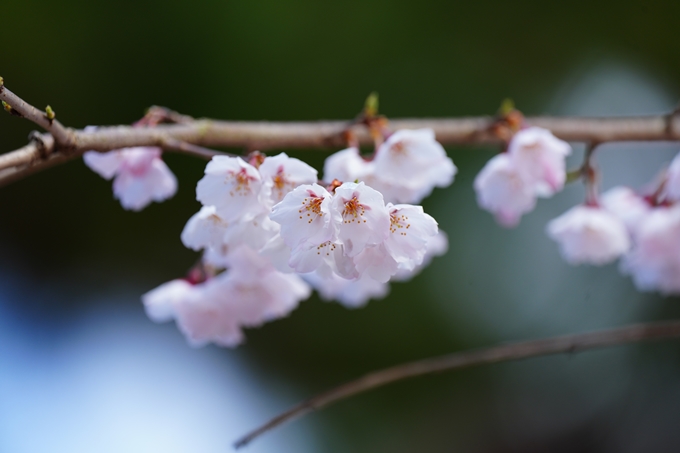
[160, 303]
[416, 159]
[502, 190]
[304, 215]
[281, 174]
[625, 204]
[672, 186]
[363, 219]
[654, 261]
[347, 165]
[232, 186]
[437, 245]
[353, 293]
[140, 175]
[205, 229]
[589, 234]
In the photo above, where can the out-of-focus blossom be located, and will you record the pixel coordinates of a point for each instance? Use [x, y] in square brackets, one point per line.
[205, 229]
[654, 261]
[437, 245]
[350, 293]
[502, 190]
[589, 234]
[625, 204]
[533, 166]
[281, 174]
[140, 175]
[347, 165]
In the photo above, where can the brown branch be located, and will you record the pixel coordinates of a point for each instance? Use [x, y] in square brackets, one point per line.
[19, 107]
[513, 351]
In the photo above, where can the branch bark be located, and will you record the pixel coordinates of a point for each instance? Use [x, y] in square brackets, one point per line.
[513, 351]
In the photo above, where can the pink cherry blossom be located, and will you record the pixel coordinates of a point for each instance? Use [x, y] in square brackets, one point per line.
[140, 175]
[625, 204]
[654, 261]
[414, 154]
[232, 186]
[350, 293]
[363, 219]
[204, 230]
[281, 174]
[672, 186]
[540, 157]
[325, 258]
[346, 166]
[160, 303]
[410, 231]
[437, 245]
[502, 190]
[589, 234]
[304, 215]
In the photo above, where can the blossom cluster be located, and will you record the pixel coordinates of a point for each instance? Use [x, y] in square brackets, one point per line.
[641, 229]
[270, 231]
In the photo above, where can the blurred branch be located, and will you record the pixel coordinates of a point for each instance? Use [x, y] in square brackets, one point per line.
[192, 134]
[514, 351]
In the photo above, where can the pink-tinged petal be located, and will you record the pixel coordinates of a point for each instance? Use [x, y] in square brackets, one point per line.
[204, 230]
[104, 164]
[161, 303]
[232, 186]
[588, 234]
[377, 263]
[281, 174]
[437, 245]
[625, 204]
[162, 181]
[410, 231]
[347, 165]
[304, 215]
[353, 293]
[364, 219]
[502, 190]
[672, 186]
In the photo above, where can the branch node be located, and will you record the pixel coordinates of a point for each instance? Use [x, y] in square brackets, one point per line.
[11, 110]
[50, 114]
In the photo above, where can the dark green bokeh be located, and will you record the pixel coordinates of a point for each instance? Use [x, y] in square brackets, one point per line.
[105, 62]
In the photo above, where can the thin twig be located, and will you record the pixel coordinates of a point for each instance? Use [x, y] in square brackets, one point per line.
[22, 108]
[513, 351]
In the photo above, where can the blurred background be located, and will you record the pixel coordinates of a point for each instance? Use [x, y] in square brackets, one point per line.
[83, 369]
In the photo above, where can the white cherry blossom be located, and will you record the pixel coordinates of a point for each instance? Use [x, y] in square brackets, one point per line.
[232, 186]
[414, 154]
[350, 293]
[672, 185]
[377, 263]
[140, 175]
[540, 157]
[205, 229]
[410, 231]
[363, 219]
[502, 190]
[160, 303]
[325, 258]
[654, 261]
[347, 165]
[589, 234]
[625, 204]
[437, 245]
[304, 215]
[281, 174]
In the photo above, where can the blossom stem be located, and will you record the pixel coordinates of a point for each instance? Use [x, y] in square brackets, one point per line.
[514, 351]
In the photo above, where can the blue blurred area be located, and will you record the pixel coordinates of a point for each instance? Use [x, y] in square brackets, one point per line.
[82, 369]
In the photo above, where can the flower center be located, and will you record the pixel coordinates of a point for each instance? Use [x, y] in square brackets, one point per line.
[353, 211]
[311, 205]
[399, 223]
[242, 183]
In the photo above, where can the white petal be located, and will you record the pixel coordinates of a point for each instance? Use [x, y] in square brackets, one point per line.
[304, 216]
[205, 229]
[105, 164]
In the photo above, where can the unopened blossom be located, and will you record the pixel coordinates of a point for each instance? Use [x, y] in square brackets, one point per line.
[540, 157]
[281, 174]
[140, 175]
[305, 216]
[625, 204]
[502, 190]
[205, 229]
[350, 293]
[589, 234]
[416, 159]
[363, 219]
[672, 185]
[654, 261]
[232, 186]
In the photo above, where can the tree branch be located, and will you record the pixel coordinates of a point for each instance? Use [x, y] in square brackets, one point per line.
[514, 351]
[19, 107]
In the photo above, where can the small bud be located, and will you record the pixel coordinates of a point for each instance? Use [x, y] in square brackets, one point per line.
[49, 113]
[371, 105]
[7, 107]
[507, 106]
[2, 82]
[574, 175]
